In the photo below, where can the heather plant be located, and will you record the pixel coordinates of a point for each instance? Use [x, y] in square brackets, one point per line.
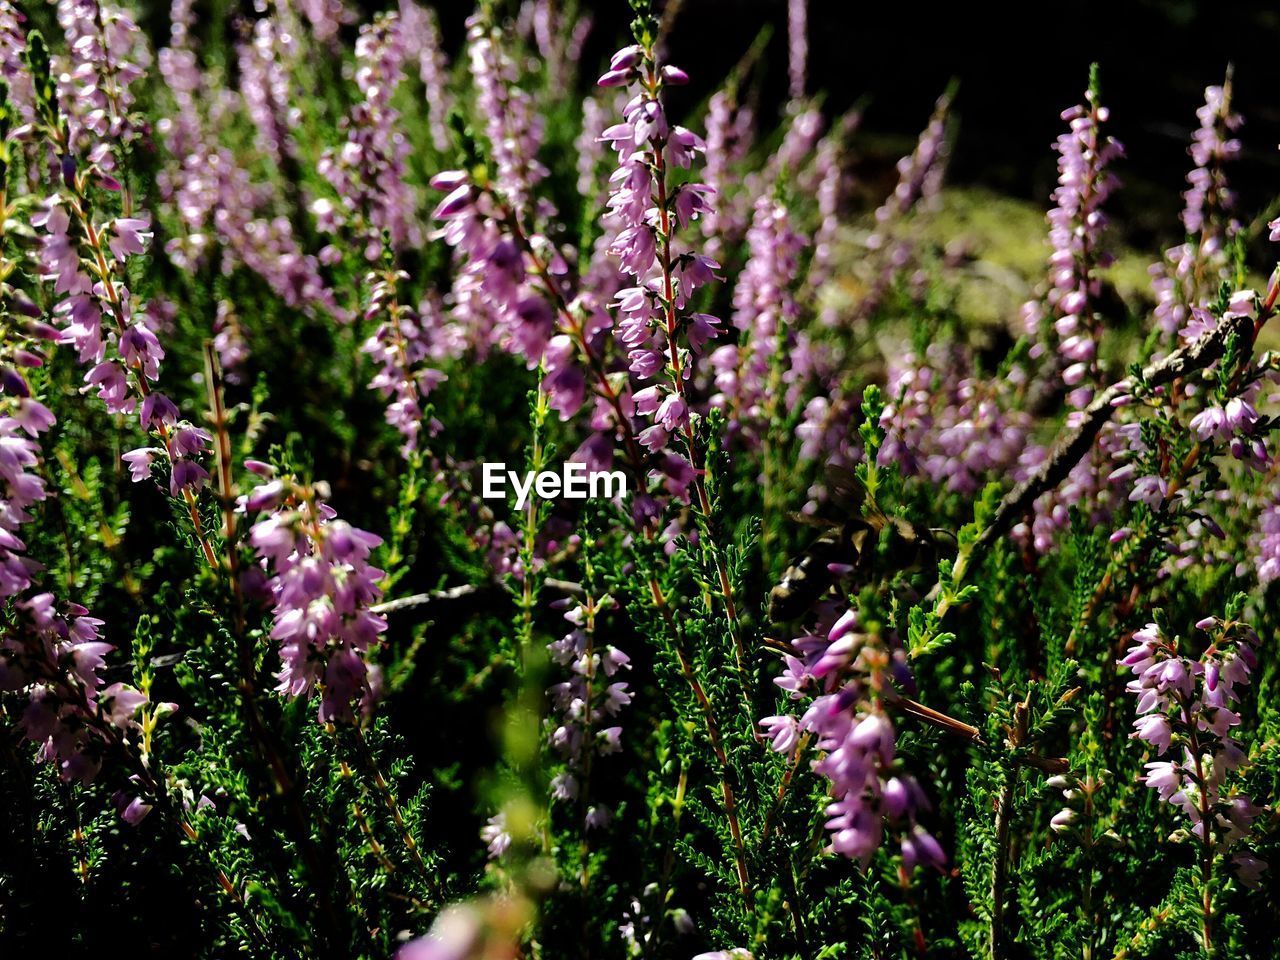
[891, 634]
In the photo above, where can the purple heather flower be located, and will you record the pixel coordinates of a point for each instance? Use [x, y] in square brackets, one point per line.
[513, 128]
[101, 318]
[1156, 730]
[855, 741]
[494, 834]
[1189, 274]
[1212, 146]
[585, 701]
[54, 656]
[919, 174]
[729, 139]
[1189, 702]
[107, 54]
[783, 733]
[950, 425]
[1076, 227]
[368, 172]
[422, 41]
[653, 320]
[321, 588]
[405, 344]
[13, 68]
[765, 309]
[797, 45]
[1267, 556]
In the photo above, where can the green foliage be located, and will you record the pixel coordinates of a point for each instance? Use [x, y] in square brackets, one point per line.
[269, 834]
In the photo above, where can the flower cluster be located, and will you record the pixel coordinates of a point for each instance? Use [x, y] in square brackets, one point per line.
[494, 295]
[368, 173]
[55, 653]
[1213, 145]
[326, 17]
[85, 259]
[587, 704]
[264, 58]
[748, 374]
[13, 44]
[22, 420]
[1189, 274]
[920, 177]
[946, 423]
[422, 41]
[107, 54]
[831, 186]
[403, 340]
[89, 282]
[321, 588]
[513, 128]
[51, 652]
[920, 173]
[1193, 705]
[730, 136]
[558, 32]
[1268, 543]
[1076, 226]
[1238, 424]
[655, 322]
[489, 221]
[851, 672]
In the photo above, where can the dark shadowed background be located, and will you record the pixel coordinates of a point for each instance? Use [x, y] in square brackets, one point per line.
[1019, 65]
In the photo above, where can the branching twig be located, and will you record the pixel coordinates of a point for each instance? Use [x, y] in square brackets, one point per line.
[466, 591]
[1074, 444]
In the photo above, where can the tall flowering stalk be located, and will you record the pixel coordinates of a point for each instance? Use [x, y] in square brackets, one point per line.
[920, 178]
[368, 173]
[511, 125]
[730, 136]
[656, 321]
[265, 58]
[797, 46]
[401, 344]
[920, 173]
[1076, 227]
[422, 41]
[831, 186]
[183, 133]
[587, 705]
[851, 675]
[107, 55]
[51, 652]
[1189, 274]
[321, 588]
[512, 269]
[1192, 705]
[748, 374]
[85, 256]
